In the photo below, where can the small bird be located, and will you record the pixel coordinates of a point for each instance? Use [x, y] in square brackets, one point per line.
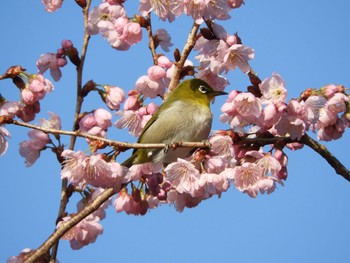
[185, 116]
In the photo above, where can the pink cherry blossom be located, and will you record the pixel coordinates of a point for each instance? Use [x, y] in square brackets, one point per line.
[52, 5]
[103, 118]
[234, 56]
[87, 122]
[241, 110]
[49, 61]
[333, 132]
[150, 88]
[27, 112]
[329, 90]
[246, 178]
[132, 33]
[9, 108]
[221, 145]
[163, 39]
[73, 169]
[115, 96]
[164, 62]
[156, 72]
[3, 141]
[21, 257]
[273, 89]
[217, 82]
[235, 3]
[83, 233]
[183, 176]
[162, 8]
[102, 18]
[97, 171]
[130, 119]
[212, 183]
[270, 165]
[125, 202]
[54, 122]
[182, 200]
[29, 151]
[205, 9]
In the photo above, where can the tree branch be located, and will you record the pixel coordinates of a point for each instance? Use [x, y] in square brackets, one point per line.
[66, 226]
[79, 102]
[111, 142]
[327, 155]
[191, 40]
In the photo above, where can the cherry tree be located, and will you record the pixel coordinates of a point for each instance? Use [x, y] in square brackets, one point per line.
[259, 126]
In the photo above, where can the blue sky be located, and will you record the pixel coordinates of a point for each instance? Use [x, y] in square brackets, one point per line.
[305, 221]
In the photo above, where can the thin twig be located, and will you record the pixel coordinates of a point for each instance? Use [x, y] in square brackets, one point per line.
[151, 44]
[110, 142]
[79, 101]
[191, 40]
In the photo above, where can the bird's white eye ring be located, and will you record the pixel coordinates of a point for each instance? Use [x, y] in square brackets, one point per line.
[203, 89]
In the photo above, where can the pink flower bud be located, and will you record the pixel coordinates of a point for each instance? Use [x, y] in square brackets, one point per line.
[66, 44]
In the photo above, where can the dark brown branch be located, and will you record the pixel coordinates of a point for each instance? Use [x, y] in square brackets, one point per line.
[327, 155]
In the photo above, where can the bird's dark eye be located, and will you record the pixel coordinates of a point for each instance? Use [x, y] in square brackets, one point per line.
[203, 89]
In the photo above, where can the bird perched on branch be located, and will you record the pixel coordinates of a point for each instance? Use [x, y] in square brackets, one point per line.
[185, 116]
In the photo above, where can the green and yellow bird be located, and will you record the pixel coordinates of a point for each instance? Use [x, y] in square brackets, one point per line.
[185, 116]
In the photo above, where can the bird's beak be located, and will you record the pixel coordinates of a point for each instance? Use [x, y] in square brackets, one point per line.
[219, 93]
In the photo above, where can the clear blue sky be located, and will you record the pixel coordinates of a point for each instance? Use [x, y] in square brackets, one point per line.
[306, 42]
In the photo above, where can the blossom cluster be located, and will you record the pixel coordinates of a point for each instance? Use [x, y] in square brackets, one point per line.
[87, 230]
[110, 20]
[197, 9]
[54, 61]
[31, 149]
[323, 111]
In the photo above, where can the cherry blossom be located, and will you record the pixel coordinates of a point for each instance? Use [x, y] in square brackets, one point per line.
[52, 5]
[114, 97]
[83, 233]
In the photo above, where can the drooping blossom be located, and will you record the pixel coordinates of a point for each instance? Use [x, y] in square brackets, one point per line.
[114, 97]
[246, 178]
[52, 5]
[162, 8]
[235, 3]
[83, 233]
[73, 169]
[163, 39]
[204, 9]
[54, 122]
[27, 112]
[9, 108]
[50, 61]
[31, 149]
[127, 203]
[35, 89]
[183, 176]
